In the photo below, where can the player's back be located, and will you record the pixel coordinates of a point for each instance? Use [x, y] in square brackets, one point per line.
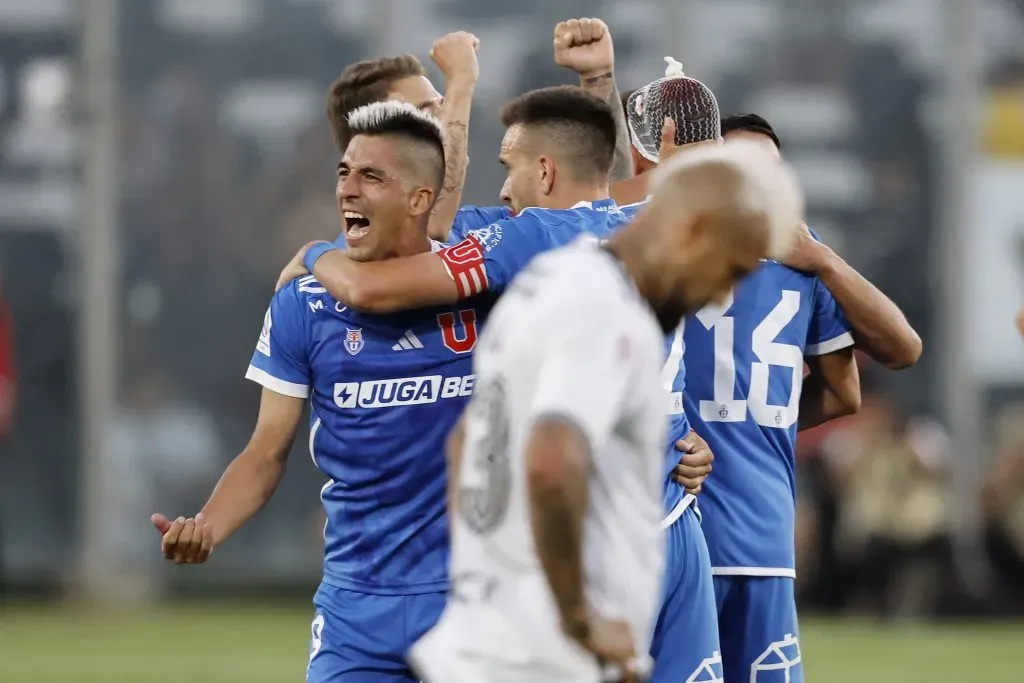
[386, 390]
[746, 361]
[501, 606]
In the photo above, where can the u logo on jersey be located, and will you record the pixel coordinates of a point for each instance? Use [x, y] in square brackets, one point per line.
[452, 342]
[354, 340]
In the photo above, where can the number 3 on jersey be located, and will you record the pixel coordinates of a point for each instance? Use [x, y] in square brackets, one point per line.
[725, 407]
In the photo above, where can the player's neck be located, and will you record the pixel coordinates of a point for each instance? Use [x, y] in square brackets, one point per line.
[634, 256]
[412, 242]
[574, 194]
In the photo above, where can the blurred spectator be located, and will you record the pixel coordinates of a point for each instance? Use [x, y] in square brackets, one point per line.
[1002, 504]
[890, 474]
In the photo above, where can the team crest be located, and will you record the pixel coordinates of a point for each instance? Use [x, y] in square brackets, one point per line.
[354, 340]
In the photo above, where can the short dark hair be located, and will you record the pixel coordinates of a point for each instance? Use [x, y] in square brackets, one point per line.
[362, 83]
[752, 123]
[401, 119]
[583, 125]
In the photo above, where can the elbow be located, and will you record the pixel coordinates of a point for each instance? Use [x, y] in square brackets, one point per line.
[851, 402]
[909, 352]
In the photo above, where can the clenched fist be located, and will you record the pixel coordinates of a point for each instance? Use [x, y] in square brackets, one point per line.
[585, 46]
[455, 56]
[185, 541]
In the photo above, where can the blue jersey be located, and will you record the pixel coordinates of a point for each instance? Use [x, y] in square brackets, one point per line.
[384, 393]
[473, 217]
[746, 362]
[673, 380]
[487, 258]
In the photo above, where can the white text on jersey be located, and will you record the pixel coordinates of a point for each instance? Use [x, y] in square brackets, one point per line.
[402, 391]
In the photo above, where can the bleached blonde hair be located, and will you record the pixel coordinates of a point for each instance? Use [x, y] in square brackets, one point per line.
[741, 176]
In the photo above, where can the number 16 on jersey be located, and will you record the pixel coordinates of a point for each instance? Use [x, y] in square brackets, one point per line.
[762, 352]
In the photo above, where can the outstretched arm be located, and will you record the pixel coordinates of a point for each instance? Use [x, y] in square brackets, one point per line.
[879, 327]
[252, 477]
[585, 46]
[456, 56]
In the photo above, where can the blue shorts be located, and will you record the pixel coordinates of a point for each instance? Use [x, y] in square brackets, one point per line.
[757, 624]
[685, 644]
[363, 638]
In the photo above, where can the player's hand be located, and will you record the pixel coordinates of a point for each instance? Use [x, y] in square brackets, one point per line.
[185, 540]
[1020, 322]
[585, 46]
[668, 148]
[807, 254]
[695, 465]
[294, 269]
[456, 56]
[612, 642]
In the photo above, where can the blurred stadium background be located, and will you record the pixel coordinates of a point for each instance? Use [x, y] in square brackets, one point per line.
[160, 160]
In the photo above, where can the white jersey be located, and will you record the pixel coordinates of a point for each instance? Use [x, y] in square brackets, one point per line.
[571, 338]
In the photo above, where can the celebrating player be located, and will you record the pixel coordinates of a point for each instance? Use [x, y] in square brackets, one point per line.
[555, 494]
[747, 395]
[384, 393]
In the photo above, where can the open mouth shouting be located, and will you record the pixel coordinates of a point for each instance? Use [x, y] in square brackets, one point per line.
[357, 226]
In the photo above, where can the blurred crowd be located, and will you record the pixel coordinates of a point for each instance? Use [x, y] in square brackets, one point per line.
[226, 168]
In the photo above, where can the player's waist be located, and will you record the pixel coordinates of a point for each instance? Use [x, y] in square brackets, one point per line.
[361, 582]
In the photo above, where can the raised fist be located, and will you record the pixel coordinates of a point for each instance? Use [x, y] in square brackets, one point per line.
[455, 56]
[585, 46]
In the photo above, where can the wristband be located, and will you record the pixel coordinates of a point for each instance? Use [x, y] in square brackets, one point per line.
[315, 252]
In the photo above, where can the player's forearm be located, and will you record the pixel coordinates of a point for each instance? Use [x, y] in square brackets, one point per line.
[879, 327]
[458, 102]
[819, 403]
[242, 491]
[603, 86]
[558, 487]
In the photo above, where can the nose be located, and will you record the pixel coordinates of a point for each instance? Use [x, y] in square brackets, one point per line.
[348, 186]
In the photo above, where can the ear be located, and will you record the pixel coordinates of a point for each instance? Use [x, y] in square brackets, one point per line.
[546, 172]
[421, 200]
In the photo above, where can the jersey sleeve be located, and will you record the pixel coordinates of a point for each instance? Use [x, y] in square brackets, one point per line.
[281, 360]
[588, 360]
[474, 217]
[487, 259]
[829, 330]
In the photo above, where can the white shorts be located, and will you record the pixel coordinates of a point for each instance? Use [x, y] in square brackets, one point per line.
[437, 658]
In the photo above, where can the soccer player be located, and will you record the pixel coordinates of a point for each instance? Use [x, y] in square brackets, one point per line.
[747, 395]
[557, 475]
[384, 393]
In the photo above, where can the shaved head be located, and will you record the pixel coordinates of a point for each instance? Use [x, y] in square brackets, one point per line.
[713, 214]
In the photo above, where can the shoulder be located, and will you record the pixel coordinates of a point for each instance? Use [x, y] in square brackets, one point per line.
[303, 295]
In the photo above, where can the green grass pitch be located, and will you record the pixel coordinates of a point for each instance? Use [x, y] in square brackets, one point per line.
[228, 643]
